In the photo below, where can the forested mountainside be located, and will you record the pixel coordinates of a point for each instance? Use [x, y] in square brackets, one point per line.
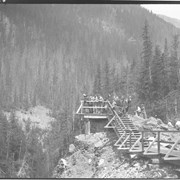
[51, 54]
[175, 22]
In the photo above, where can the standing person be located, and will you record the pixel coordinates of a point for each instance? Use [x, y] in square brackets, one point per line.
[143, 111]
[101, 103]
[96, 104]
[85, 103]
[128, 103]
[91, 103]
[113, 104]
[85, 97]
[125, 106]
[138, 111]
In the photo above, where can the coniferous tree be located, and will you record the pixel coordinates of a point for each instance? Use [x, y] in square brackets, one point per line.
[157, 74]
[117, 84]
[167, 70]
[112, 79]
[4, 127]
[97, 89]
[123, 82]
[174, 65]
[145, 79]
[16, 135]
[106, 84]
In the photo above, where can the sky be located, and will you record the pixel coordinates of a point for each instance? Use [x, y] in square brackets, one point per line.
[170, 10]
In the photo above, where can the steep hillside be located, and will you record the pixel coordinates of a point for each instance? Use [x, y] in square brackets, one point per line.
[95, 157]
[49, 52]
[50, 55]
[175, 22]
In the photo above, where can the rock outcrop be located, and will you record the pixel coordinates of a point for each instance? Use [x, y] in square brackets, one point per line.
[94, 157]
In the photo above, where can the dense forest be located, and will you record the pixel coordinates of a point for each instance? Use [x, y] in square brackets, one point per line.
[51, 54]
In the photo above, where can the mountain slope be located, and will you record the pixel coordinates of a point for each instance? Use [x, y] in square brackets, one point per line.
[50, 53]
[175, 22]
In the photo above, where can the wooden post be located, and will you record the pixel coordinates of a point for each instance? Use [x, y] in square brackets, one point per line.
[80, 125]
[125, 137]
[73, 122]
[158, 141]
[87, 126]
[166, 109]
[142, 139]
[130, 138]
[176, 106]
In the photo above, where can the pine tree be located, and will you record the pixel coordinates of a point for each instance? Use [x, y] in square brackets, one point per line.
[117, 84]
[167, 70]
[157, 74]
[4, 127]
[106, 84]
[174, 63]
[145, 79]
[97, 89]
[123, 82]
[112, 79]
[16, 136]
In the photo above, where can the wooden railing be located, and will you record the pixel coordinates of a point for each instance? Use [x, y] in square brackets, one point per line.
[92, 107]
[157, 145]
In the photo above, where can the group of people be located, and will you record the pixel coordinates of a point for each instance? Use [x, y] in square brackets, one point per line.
[96, 101]
[96, 104]
[121, 105]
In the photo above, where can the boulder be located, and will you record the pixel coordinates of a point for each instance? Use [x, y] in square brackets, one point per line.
[63, 162]
[170, 124]
[177, 125]
[101, 161]
[72, 148]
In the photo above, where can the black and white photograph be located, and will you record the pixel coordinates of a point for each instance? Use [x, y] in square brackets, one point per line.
[89, 90]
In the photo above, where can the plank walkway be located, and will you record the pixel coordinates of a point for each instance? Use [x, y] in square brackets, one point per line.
[129, 138]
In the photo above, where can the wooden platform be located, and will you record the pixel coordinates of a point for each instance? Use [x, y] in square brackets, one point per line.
[95, 116]
[129, 137]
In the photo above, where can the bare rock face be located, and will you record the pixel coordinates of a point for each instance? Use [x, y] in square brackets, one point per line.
[93, 157]
[151, 124]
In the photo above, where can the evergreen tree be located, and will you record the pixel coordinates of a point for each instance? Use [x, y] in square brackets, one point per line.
[123, 82]
[167, 70]
[145, 78]
[157, 74]
[4, 128]
[112, 79]
[174, 65]
[117, 84]
[107, 83]
[16, 135]
[97, 81]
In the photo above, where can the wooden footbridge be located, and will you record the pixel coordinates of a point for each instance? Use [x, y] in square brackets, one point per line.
[129, 138]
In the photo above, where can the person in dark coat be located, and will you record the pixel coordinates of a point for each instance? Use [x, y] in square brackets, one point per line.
[128, 104]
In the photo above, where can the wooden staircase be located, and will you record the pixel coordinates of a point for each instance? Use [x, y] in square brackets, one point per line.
[124, 128]
[130, 138]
